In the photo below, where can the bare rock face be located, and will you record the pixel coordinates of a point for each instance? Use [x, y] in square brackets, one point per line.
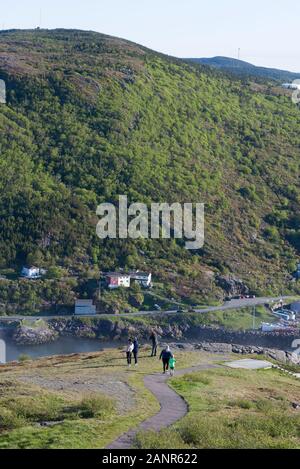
[232, 285]
[25, 335]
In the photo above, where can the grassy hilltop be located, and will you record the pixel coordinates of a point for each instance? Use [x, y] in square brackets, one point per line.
[88, 400]
[89, 117]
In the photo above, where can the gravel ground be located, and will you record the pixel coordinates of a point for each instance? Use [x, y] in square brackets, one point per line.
[72, 385]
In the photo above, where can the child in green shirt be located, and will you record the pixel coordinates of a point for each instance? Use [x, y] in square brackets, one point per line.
[172, 362]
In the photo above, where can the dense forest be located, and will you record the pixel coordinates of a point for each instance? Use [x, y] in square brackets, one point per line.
[246, 69]
[89, 117]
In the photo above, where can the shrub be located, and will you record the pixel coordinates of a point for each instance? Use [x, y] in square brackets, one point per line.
[96, 406]
[271, 233]
[24, 357]
[242, 403]
[9, 420]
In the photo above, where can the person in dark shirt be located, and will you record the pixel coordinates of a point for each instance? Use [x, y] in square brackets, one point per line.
[165, 356]
[154, 342]
[135, 350]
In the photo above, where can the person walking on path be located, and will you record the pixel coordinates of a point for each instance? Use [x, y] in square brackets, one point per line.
[154, 341]
[172, 362]
[135, 350]
[165, 356]
[129, 351]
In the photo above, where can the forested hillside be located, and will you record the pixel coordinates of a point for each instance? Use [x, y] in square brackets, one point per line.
[246, 69]
[89, 117]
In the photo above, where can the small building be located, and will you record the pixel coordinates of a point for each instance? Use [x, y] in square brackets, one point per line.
[123, 279]
[84, 307]
[32, 272]
[291, 86]
[142, 278]
[267, 327]
[117, 280]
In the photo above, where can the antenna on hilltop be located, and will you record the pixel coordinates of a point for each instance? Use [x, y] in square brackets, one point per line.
[239, 53]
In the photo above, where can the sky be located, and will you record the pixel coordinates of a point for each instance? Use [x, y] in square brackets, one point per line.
[265, 31]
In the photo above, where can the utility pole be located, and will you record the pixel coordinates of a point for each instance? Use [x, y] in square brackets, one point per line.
[253, 317]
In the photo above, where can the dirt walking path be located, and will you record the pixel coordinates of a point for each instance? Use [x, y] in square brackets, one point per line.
[172, 406]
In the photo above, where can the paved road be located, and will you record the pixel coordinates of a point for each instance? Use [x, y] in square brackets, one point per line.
[243, 303]
[172, 406]
[233, 304]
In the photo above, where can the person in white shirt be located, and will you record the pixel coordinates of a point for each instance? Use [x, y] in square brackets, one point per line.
[129, 351]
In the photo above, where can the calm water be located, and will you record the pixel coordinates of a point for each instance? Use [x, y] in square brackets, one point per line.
[61, 346]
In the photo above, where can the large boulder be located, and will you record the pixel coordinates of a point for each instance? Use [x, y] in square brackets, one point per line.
[232, 285]
[26, 335]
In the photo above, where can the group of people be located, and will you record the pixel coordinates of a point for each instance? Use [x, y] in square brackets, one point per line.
[167, 357]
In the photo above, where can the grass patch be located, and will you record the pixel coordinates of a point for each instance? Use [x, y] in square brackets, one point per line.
[168, 438]
[89, 419]
[233, 409]
[9, 420]
[96, 406]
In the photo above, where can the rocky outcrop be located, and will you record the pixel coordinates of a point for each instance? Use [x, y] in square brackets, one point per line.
[181, 329]
[232, 286]
[275, 339]
[25, 335]
[222, 348]
[278, 355]
[107, 329]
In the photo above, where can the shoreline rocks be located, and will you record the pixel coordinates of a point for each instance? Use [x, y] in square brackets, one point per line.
[282, 356]
[25, 335]
[109, 330]
[116, 329]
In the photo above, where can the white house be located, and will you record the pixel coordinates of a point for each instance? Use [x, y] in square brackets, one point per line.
[123, 279]
[291, 86]
[84, 307]
[32, 272]
[117, 279]
[143, 278]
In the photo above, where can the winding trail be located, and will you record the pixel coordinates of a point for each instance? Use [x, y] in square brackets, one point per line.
[172, 406]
